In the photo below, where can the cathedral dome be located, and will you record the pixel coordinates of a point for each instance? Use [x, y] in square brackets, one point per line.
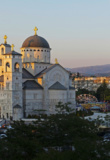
[35, 41]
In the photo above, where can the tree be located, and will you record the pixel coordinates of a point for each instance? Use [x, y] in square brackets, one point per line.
[84, 91]
[63, 108]
[102, 92]
[42, 139]
[107, 98]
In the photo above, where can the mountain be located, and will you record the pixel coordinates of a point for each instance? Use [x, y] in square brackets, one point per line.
[99, 70]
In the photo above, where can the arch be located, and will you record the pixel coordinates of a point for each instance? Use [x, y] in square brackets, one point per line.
[2, 50]
[0, 62]
[38, 58]
[28, 55]
[45, 59]
[7, 66]
[16, 67]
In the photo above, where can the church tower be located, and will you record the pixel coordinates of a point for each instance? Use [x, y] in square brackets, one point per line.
[12, 73]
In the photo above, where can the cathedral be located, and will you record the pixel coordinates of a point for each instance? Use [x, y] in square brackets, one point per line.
[29, 83]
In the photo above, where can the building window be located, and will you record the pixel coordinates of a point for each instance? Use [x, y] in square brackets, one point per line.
[7, 66]
[37, 58]
[45, 58]
[16, 67]
[0, 62]
[2, 51]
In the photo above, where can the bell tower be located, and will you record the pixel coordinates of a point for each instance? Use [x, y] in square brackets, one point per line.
[13, 82]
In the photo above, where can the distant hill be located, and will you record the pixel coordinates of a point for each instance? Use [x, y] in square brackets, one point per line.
[100, 70]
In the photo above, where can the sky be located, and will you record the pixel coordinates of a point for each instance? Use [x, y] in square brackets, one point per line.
[78, 31]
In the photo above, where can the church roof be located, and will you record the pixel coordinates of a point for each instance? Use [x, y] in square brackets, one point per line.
[13, 53]
[57, 86]
[6, 45]
[48, 69]
[35, 41]
[26, 74]
[2, 78]
[17, 106]
[70, 87]
[31, 84]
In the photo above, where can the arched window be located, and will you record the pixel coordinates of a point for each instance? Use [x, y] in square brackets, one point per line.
[45, 58]
[16, 67]
[2, 50]
[28, 55]
[0, 62]
[37, 58]
[7, 66]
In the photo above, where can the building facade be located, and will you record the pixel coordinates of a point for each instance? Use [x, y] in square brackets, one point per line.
[29, 83]
[90, 83]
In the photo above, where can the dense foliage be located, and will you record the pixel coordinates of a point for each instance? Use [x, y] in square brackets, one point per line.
[103, 92]
[42, 139]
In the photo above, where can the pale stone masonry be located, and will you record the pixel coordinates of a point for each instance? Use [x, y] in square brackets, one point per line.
[29, 83]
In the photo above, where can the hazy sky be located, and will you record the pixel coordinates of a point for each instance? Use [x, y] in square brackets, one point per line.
[78, 31]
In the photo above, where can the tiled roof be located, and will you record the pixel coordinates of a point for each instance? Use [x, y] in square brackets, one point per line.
[2, 78]
[31, 84]
[26, 74]
[13, 53]
[17, 106]
[57, 86]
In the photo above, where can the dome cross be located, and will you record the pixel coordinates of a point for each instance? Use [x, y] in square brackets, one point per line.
[12, 47]
[35, 29]
[5, 39]
[56, 61]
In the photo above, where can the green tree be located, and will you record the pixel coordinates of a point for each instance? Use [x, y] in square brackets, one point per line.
[63, 108]
[107, 98]
[28, 142]
[102, 92]
[84, 91]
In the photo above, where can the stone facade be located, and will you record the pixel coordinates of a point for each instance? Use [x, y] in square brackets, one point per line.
[29, 83]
